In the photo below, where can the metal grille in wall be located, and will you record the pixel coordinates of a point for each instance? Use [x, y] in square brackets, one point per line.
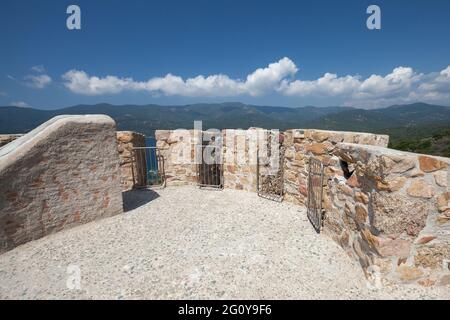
[148, 167]
[315, 192]
[210, 169]
[270, 171]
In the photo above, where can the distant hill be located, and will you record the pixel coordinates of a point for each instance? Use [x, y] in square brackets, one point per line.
[147, 118]
[408, 124]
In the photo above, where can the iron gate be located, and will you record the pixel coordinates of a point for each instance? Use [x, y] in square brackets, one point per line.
[269, 183]
[210, 168]
[315, 192]
[147, 167]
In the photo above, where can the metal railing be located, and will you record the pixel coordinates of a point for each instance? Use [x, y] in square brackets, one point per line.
[148, 167]
[315, 193]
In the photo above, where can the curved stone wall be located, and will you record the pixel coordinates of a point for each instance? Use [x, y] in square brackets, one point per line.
[392, 214]
[388, 209]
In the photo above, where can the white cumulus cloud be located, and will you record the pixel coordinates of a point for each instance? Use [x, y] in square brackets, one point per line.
[401, 85]
[37, 81]
[259, 82]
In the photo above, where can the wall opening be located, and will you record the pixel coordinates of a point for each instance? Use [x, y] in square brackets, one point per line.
[346, 169]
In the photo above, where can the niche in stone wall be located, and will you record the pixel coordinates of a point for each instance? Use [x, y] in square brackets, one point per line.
[347, 168]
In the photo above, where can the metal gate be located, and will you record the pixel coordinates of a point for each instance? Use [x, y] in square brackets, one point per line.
[270, 185]
[315, 192]
[270, 172]
[147, 167]
[210, 169]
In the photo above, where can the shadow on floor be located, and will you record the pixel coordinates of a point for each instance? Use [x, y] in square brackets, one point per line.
[136, 198]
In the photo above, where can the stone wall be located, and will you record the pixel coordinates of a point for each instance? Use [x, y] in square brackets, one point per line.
[302, 144]
[388, 209]
[7, 138]
[392, 214]
[62, 174]
[182, 150]
[178, 147]
[240, 159]
[126, 141]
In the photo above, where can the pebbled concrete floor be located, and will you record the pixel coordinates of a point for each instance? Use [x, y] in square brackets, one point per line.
[186, 243]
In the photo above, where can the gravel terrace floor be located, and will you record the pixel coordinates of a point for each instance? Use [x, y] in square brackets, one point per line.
[187, 243]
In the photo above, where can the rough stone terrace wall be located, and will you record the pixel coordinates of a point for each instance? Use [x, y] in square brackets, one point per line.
[240, 165]
[62, 174]
[178, 149]
[301, 144]
[181, 150]
[7, 138]
[393, 213]
[126, 141]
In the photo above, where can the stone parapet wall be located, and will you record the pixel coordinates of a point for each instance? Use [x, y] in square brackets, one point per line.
[300, 144]
[126, 141]
[182, 150]
[240, 164]
[7, 138]
[392, 214]
[178, 147]
[388, 209]
[62, 174]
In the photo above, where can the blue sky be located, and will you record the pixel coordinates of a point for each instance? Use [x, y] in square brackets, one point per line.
[290, 53]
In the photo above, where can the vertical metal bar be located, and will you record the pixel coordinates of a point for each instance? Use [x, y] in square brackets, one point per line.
[133, 163]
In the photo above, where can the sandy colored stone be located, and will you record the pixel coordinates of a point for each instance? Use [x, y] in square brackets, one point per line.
[320, 136]
[360, 213]
[391, 185]
[430, 164]
[124, 136]
[441, 178]
[394, 247]
[344, 238]
[444, 280]
[419, 188]
[427, 282]
[443, 218]
[408, 273]
[373, 240]
[395, 213]
[162, 134]
[345, 189]
[353, 181]
[425, 239]
[431, 256]
[362, 197]
[126, 141]
[443, 201]
[316, 148]
[397, 164]
[415, 173]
